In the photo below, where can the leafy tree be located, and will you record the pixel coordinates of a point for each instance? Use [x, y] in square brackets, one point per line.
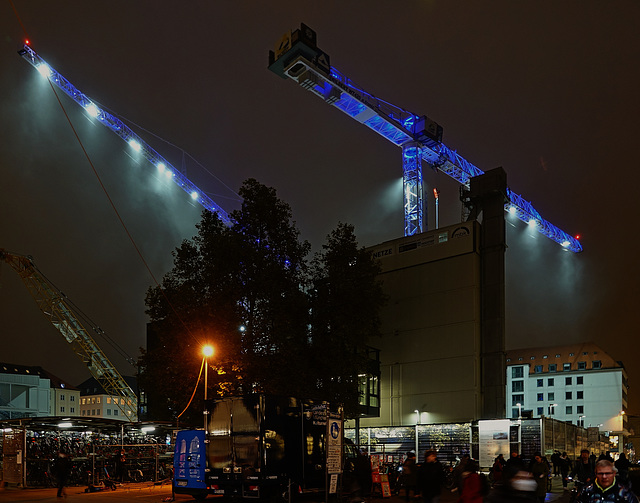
[277, 324]
[346, 299]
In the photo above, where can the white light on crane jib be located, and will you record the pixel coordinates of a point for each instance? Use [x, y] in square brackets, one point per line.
[194, 195]
[92, 110]
[44, 70]
[135, 145]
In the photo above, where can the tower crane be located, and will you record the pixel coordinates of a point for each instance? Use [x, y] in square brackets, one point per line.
[123, 131]
[297, 57]
[56, 309]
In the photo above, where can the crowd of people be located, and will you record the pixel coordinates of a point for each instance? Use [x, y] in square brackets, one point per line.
[514, 480]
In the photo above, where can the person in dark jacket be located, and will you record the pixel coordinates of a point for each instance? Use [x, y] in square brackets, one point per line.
[62, 469]
[606, 488]
[410, 475]
[430, 477]
[540, 471]
[622, 464]
[565, 466]
[583, 468]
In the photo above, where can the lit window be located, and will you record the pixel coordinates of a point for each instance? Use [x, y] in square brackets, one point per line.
[566, 366]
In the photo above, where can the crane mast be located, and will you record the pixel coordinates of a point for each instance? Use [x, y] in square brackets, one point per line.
[123, 131]
[53, 305]
[297, 57]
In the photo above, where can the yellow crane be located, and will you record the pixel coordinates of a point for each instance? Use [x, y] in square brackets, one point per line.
[54, 305]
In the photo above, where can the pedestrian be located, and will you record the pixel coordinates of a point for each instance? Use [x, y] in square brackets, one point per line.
[62, 469]
[498, 468]
[515, 462]
[583, 468]
[540, 470]
[622, 464]
[363, 476]
[410, 475]
[121, 461]
[606, 487]
[459, 470]
[430, 478]
[472, 486]
[555, 461]
[565, 466]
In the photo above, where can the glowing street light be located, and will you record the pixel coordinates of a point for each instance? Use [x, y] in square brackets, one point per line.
[519, 405]
[207, 351]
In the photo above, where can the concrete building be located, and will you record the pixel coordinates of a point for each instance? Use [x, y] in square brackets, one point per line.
[579, 383]
[442, 347]
[31, 391]
[96, 403]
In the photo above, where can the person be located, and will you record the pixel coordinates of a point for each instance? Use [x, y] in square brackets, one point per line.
[363, 476]
[517, 486]
[471, 484]
[121, 460]
[583, 468]
[606, 488]
[622, 465]
[409, 474]
[62, 469]
[515, 462]
[498, 469]
[459, 470]
[540, 471]
[430, 477]
[565, 466]
[555, 461]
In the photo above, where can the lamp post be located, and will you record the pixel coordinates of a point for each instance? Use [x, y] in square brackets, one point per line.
[207, 351]
[417, 423]
[519, 410]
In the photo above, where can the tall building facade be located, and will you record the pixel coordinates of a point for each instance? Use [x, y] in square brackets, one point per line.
[580, 384]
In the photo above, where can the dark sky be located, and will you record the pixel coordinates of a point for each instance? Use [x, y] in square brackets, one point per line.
[548, 90]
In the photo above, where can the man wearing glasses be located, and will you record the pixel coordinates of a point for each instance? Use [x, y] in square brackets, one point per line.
[606, 487]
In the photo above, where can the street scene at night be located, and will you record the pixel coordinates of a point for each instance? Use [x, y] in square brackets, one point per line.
[341, 251]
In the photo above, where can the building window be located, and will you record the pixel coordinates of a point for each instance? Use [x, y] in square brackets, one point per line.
[567, 381]
[567, 395]
[539, 383]
[550, 381]
[579, 380]
[517, 399]
[580, 395]
[517, 386]
[540, 411]
[537, 369]
[73, 409]
[61, 409]
[580, 409]
[108, 412]
[568, 410]
[551, 396]
[61, 397]
[540, 397]
[582, 365]
[558, 355]
[597, 364]
[553, 367]
[566, 366]
[72, 398]
[115, 412]
[552, 410]
[571, 354]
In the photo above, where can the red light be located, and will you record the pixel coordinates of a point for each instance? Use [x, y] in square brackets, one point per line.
[27, 42]
[577, 236]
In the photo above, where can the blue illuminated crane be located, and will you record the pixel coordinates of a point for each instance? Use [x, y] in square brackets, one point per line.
[109, 120]
[298, 57]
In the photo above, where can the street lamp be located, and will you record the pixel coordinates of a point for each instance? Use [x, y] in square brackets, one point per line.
[207, 351]
[551, 410]
[519, 410]
[417, 423]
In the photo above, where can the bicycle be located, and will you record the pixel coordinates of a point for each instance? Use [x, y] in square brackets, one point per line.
[574, 494]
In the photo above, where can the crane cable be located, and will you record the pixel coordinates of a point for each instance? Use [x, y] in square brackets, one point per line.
[112, 204]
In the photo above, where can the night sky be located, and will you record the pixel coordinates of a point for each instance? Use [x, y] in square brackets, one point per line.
[548, 90]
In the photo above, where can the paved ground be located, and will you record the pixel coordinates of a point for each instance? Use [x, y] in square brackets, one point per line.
[150, 493]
